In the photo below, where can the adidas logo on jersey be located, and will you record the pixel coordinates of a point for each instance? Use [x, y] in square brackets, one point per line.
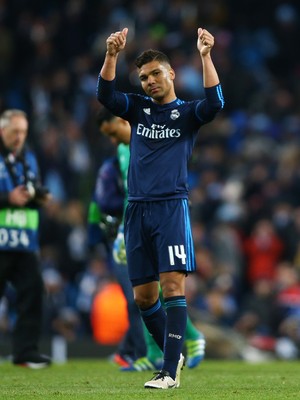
[147, 111]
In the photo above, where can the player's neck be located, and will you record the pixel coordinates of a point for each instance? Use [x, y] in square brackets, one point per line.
[166, 99]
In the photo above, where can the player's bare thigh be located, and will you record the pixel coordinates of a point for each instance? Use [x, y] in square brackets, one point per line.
[172, 283]
[146, 295]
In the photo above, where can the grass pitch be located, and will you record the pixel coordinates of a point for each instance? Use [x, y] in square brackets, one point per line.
[87, 379]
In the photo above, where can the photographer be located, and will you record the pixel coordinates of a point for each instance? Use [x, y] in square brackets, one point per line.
[21, 194]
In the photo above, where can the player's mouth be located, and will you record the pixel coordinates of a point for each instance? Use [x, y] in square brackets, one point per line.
[153, 90]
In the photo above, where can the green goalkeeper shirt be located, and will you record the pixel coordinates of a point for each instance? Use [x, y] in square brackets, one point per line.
[123, 153]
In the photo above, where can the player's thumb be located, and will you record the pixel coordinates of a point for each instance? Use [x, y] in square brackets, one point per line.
[199, 31]
[125, 31]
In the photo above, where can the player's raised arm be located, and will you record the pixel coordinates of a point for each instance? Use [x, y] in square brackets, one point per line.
[205, 43]
[114, 44]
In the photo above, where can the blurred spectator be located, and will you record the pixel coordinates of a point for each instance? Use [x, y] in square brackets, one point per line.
[90, 282]
[257, 311]
[59, 317]
[288, 302]
[263, 249]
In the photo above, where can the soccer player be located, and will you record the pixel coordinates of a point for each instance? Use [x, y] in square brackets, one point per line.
[158, 238]
[133, 344]
[119, 131]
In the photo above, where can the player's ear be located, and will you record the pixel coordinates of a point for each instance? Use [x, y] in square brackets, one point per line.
[172, 74]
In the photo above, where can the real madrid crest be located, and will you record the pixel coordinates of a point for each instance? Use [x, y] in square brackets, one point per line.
[174, 114]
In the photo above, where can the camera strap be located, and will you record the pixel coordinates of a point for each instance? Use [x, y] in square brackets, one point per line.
[11, 165]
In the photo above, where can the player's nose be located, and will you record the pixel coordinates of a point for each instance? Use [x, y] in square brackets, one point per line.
[151, 79]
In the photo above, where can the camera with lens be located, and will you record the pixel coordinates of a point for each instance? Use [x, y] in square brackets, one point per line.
[37, 192]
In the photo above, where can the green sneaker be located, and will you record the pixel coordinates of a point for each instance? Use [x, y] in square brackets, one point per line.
[195, 351]
[143, 364]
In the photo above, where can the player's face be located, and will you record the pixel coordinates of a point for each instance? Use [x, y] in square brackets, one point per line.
[117, 129]
[158, 81]
[15, 133]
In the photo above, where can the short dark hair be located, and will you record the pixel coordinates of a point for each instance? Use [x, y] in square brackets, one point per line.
[104, 115]
[151, 55]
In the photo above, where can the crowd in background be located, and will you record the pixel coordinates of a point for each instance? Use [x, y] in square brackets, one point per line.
[244, 172]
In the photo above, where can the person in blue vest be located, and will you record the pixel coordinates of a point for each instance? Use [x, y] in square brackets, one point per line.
[21, 195]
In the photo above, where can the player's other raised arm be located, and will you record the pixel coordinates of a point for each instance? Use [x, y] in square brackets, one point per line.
[214, 100]
[114, 44]
[205, 43]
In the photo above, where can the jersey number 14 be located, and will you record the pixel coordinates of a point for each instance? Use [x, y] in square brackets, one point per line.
[178, 252]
